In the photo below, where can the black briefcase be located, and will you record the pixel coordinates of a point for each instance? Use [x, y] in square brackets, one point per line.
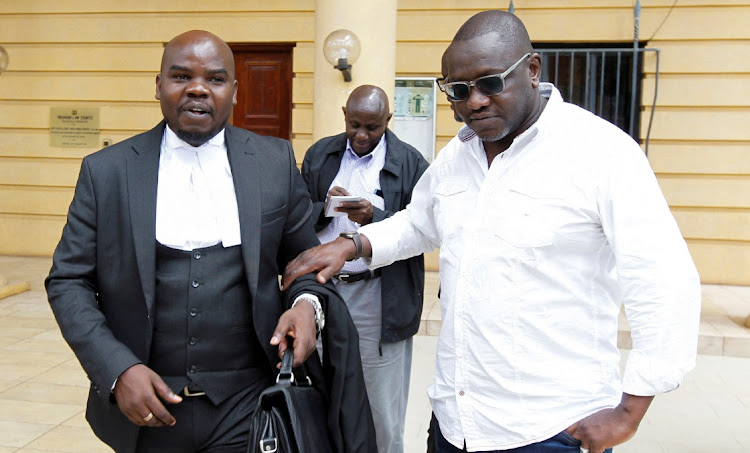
[291, 416]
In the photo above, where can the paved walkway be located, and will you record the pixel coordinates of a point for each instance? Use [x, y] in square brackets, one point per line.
[43, 389]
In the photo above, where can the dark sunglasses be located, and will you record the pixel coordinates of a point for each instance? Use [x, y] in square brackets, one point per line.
[487, 85]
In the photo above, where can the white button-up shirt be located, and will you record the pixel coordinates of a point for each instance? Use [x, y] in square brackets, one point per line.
[196, 205]
[537, 253]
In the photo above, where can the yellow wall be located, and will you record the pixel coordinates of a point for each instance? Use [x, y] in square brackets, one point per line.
[105, 54]
[700, 140]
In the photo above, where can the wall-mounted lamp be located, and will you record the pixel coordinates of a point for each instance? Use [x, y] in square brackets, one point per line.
[341, 49]
[3, 59]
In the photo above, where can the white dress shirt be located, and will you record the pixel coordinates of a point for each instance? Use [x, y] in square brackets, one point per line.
[196, 205]
[537, 253]
[360, 176]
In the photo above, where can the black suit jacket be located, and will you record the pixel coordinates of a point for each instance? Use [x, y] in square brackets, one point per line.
[101, 285]
[403, 281]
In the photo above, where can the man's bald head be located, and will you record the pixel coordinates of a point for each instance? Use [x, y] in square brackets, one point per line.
[368, 98]
[200, 40]
[507, 25]
[366, 114]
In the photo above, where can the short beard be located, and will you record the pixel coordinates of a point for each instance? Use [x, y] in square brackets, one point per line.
[198, 139]
[517, 128]
[495, 138]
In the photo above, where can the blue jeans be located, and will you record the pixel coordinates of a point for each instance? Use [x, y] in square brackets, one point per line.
[560, 443]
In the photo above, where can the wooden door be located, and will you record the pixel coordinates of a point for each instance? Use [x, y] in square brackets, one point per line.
[264, 94]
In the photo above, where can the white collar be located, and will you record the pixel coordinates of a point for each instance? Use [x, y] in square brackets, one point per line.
[375, 153]
[172, 141]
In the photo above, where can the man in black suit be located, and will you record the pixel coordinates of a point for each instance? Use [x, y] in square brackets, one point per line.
[369, 161]
[165, 281]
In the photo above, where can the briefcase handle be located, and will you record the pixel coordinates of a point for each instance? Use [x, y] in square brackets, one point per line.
[286, 373]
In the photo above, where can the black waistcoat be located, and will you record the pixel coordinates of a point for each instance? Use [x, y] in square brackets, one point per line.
[203, 323]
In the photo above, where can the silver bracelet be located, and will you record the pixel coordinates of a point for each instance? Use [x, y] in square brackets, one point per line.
[320, 317]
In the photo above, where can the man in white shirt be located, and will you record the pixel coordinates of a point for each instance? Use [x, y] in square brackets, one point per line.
[548, 218]
[165, 280]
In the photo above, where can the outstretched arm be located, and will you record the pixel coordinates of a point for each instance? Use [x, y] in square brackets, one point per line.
[325, 259]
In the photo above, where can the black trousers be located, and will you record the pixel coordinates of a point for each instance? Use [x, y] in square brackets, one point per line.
[431, 434]
[203, 427]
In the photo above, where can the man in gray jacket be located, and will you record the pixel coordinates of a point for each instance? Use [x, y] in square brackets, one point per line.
[370, 162]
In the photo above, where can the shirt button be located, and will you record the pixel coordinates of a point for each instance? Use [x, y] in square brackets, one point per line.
[461, 393]
[196, 284]
[193, 312]
[193, 369]
[197, 255]
[193, 340]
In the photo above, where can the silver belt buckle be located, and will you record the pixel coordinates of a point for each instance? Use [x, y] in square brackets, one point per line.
[186, 392]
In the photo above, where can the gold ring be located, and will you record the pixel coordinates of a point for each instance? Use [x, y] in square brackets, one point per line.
[148, 417]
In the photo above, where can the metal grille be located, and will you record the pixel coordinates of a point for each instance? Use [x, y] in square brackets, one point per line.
[601, 81]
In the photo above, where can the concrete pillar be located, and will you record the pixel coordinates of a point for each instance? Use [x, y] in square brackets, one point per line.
[374, 23]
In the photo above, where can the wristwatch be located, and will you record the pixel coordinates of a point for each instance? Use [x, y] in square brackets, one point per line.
[354, 236]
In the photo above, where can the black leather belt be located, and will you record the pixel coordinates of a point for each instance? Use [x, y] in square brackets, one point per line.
[192, 389]
[360, 276]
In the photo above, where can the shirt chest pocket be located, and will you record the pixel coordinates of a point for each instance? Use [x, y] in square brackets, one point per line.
[527, 217]
[453, 202]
